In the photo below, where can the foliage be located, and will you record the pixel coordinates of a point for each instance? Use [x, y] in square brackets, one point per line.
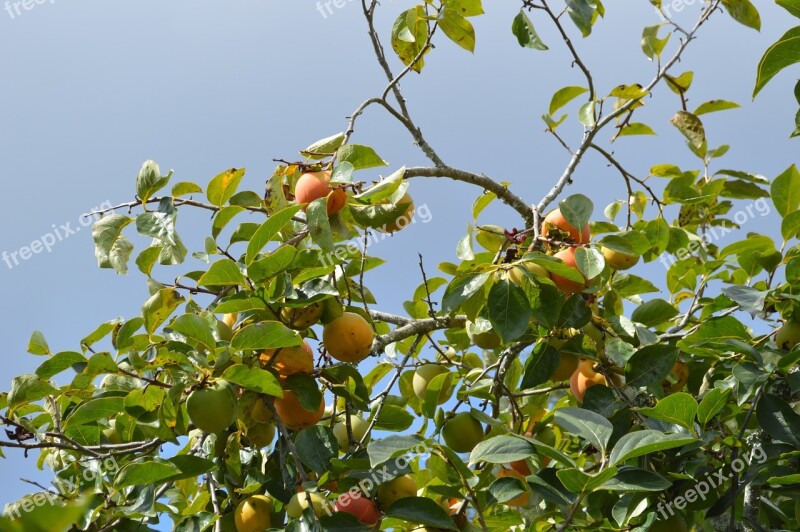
[674, 389]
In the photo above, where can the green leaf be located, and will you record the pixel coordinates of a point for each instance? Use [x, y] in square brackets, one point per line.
[223, 272]
[255, 379]
[577, 209]
[785, 191]
[633, 479]
[507, 488]
[462, 288]
[265, 335]
[792, 6]
[577, 481]
[712, 404]
[421, 511]
[223, 186]
[563, 96]
[268, 230]
[161, 226]
[790, 226]
[381, 451]
[509, 310]
[37, 345]
[583, 14]
[652, 46]
[185, 187]
[540, 365]
[316, 447]
[589, 261]
[587, 115]
[409, 36]
[458, 29]
[147, 259]
[159, 307]
[650, 365]
[654, 312]
[744, 12]
[93, 410]
[589, 425]
[635, 128]
[149, 181]
[28, 388]
[272, 264]
[324, 148]
[145, 473]
[714, 106]
[691, 127]
[319, 226]
[644, 442]
[384, 188]
[360, 157]
[785, 52]
[501, 450]
[223, 216]
[522, 27]
[394, 419]
[778, 420]
[58, 363]
[196, 328]
[679, 408]
[112, 248]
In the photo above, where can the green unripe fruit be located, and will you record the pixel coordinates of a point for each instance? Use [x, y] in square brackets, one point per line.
[212, 409]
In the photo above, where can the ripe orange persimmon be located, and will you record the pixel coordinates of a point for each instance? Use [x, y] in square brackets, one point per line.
[520, 500]
[359, 506]
[292, 413]
[289, 360]
[567, 256]
[556, 221]
[316, 185]
[348, 338]
[584, 378]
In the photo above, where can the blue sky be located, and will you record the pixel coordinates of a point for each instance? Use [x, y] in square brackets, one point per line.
[92, 89]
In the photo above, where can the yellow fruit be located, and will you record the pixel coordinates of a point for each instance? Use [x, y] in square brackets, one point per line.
[289, 360]
[404, 220]
[484, 340]
[618, 260]
[584, 378]
[111, 433]
[567, 365]
[788, 335]
[261, 434]
[462, 432]
[299, 502]
[254, 514]
[260, 411]
[516, 274]
[292, 413]
[302, 318]
[423, 377]
[230, 319]
[398, 488]
[212, 409]
[348, 338]
[358, 426]
[679, 374]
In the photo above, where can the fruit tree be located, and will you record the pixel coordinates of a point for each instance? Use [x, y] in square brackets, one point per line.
[539, 382]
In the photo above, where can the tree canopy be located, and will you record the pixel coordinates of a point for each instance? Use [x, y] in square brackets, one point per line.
[538, 383]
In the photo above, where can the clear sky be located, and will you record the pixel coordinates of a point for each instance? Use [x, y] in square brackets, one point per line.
[92, 89]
